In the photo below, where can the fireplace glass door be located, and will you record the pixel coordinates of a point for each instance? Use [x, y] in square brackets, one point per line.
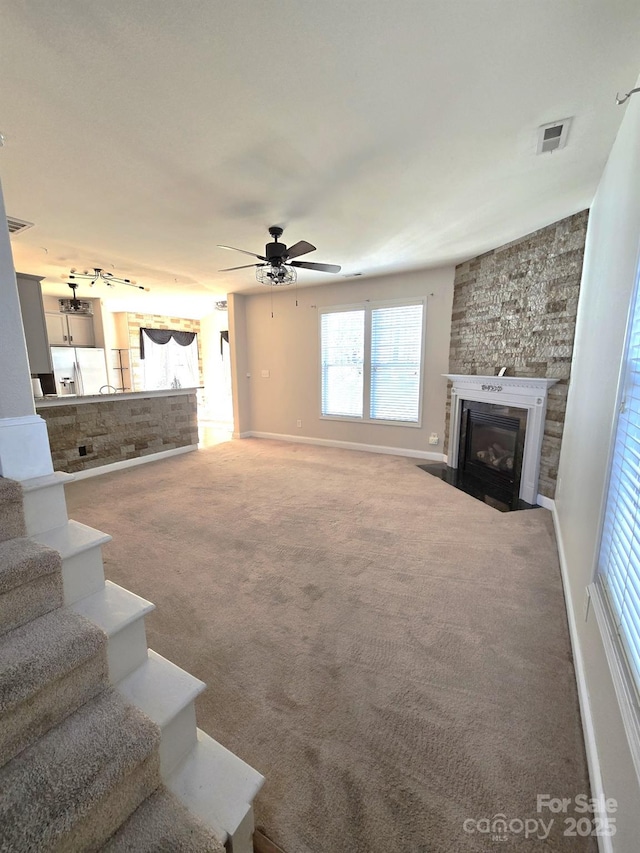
[491, 446]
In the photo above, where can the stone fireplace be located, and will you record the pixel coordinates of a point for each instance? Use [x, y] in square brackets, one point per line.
[496, 431]
[516, 306]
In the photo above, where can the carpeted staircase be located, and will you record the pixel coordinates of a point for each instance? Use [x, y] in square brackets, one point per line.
[99, 747]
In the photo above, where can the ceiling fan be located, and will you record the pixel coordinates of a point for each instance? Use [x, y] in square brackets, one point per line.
[278, 266]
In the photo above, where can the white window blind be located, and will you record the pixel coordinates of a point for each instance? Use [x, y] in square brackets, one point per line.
[396, 354]
[342, 356]
[619, 562]
[371, 362]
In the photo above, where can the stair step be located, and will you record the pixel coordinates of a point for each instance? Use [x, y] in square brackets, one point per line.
[30, 582]
[162, 823]
[11, 513]
[48, 669]
[74, 787]
[166, 694]
[218, 787]
[80, 547]
[44, 502]
[120, 614]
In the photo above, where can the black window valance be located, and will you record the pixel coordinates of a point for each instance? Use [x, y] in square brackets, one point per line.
[163, 336]
[224, 336]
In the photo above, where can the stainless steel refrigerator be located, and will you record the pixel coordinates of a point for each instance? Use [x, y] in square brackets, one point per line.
[79, 370]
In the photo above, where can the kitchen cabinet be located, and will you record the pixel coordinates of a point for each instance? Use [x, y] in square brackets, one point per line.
[71, 330]
[33, 321]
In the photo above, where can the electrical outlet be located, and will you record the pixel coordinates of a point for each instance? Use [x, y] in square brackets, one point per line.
[433, 438]
[298, 423]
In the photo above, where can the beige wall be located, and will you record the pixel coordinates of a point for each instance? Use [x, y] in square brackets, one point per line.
[287, 345]
[240, 385]
[610, 268]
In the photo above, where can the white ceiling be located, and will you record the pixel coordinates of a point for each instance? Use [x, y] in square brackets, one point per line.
[391, 135]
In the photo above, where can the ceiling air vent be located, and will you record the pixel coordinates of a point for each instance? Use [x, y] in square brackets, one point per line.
[553, 136]
[17, 225]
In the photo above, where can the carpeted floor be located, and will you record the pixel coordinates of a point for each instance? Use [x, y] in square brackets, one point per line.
[392, 654]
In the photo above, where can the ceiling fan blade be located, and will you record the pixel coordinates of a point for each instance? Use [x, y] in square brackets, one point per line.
[300, 248]
[243, 267]
[318, 267]
[233, 249]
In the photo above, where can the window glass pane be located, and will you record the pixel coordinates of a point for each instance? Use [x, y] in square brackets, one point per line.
[170, 365]
[619, 561]
[342, 360]
[396, 348]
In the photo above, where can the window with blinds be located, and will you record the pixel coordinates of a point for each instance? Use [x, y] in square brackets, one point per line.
[371, 362]
[619, 559]
[342, 336]
[396, 356]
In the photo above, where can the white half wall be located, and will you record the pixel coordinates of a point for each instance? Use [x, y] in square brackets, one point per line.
[16, 397]
[609, 272]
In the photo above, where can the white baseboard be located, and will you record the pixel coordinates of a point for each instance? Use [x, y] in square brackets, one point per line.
[242, 434]
[348, 445]
[605, 844]
[131, 463]
[547, 503]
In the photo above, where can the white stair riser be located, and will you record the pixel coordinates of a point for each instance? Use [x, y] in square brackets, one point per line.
[82, 574]
[44, 509]
[219, 788]
[127, 650]
[242, 839]
[178, 739]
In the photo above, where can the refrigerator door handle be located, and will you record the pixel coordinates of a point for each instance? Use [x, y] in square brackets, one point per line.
[78, 376]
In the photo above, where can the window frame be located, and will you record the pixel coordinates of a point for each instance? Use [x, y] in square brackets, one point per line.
[368, 306]
[624, 678]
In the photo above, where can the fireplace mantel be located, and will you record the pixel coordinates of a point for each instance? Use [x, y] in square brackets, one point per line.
[519, 391]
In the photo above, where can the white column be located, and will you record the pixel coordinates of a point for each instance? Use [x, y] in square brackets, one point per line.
[24, 444]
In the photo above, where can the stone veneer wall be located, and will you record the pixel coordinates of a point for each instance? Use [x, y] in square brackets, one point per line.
[516, 307]
[114, 430]
[156, 321]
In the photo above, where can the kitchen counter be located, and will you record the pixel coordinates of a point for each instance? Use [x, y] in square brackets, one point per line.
[114, 429]
[77, 399]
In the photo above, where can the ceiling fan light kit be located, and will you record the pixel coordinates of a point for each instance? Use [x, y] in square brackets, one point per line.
[276, 275]
[278, 266]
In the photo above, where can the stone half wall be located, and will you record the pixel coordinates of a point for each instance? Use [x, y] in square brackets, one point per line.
[156, 321]
[515, 307]
[114, 430]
